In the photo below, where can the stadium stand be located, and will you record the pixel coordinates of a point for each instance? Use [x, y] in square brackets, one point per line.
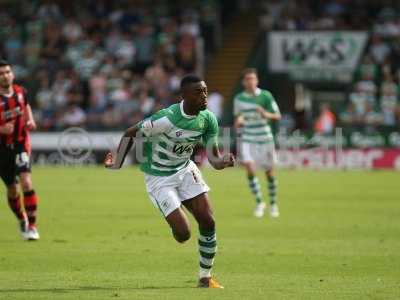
[103, 64]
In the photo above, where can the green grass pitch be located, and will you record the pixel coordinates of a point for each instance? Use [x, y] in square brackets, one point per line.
[338, 237]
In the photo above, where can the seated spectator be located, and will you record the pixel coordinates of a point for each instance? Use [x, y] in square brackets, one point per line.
[389, 105]
[379, 49]
[145, 44]
[190, 24]
[13, 47]
[122, 94]
[367, 86]
[215, 102]
[367, 68]
[359, 99]
[89, 62]
[155, 74]
[53, 46]
[72, 30]
[110, 118]
[72, 116]
[349, 116]
[98, 90]
[186, 53]
[388, 86]
[372, 117]
[61, 85]
[146, 103]
[44, 95]
[326, 120]
[125, 50]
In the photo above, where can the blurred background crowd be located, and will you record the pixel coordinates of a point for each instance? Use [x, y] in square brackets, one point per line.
[107, 64]
[103, 64]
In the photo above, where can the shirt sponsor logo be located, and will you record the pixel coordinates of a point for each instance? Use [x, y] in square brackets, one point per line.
[179, 148]
[12, 113]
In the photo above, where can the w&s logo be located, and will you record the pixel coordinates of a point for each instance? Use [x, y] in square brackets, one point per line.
[180, 149]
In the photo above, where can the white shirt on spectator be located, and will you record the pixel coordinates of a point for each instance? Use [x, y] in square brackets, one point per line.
[388, 108]
[367, 86]
[191, 28]
[215, 100]
[359, 100]
[379, 52]
[73, 117]
[72, 30]
[126, 50]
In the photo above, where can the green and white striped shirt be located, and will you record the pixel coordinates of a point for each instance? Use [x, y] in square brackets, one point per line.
[256, 129]
[170, 137]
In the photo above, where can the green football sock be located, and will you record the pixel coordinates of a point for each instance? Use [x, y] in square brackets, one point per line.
[272, 186]
[207, 248]
[255, 188]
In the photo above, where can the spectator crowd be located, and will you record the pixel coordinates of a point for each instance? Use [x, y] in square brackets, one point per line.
[103, 64]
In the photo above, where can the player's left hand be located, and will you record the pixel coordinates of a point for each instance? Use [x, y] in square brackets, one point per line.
[225, 161]
[229, 160]
[31, 125]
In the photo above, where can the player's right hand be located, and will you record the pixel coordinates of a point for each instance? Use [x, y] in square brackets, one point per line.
[109, 160]
[7, 128]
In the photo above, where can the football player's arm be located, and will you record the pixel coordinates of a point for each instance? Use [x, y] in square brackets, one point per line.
[270, 110]
[276, 116]
[155, 125]
[115, 161]
[218, 160]
[30, 121]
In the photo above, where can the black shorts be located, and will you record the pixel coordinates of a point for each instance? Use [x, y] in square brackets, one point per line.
[13, 162]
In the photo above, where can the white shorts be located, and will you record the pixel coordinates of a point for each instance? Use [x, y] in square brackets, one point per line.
[263, 155]
[168, 192]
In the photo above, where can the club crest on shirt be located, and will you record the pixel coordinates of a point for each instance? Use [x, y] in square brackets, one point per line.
[201, 124]
[165, 204]
[179, 133]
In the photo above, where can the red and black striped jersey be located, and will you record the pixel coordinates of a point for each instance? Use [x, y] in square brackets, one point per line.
[13, 109]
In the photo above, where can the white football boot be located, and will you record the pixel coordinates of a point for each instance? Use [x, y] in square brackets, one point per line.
[33, 234]
[274, 210]
[23, 228]
[259, 211]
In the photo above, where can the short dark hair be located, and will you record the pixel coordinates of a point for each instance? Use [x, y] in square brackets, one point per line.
[4, 63]
[189, 79]
[249, 71]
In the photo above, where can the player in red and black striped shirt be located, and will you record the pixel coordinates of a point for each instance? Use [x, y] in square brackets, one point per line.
[15, 122]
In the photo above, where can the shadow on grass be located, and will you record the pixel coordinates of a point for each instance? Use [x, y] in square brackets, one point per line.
[91, 288]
